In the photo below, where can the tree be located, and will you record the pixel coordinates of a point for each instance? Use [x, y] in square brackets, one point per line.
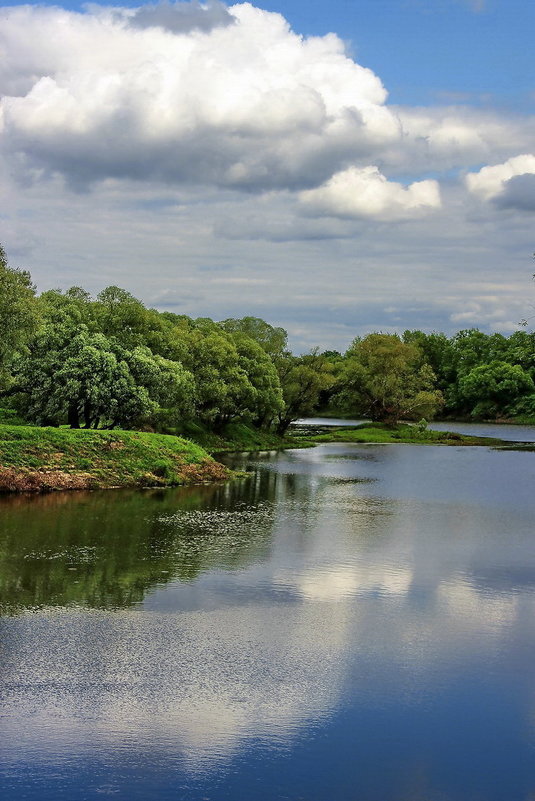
[521, 350]
[121, 316]
[272, 340]
[387, 380]
[303, 379]
[490, 389]
[222, 388]
[167, 383]
[266, 402]
[78, 376]
[19, 315]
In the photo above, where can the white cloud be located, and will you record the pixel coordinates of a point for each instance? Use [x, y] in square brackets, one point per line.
[250, 104]
[365, 192]
[489, 312]
[196, 130]
[441, 138]
[210, 95]
[491, 181]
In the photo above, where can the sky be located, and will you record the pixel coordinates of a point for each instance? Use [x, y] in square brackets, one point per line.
[335, 168]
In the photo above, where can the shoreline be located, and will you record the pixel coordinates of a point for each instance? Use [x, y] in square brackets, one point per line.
[40, 460]
[35, 460]
[401, 434]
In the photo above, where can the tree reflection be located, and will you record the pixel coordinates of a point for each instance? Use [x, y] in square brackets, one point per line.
[106, 550]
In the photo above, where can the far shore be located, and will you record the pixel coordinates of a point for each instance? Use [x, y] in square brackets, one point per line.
[34, 459]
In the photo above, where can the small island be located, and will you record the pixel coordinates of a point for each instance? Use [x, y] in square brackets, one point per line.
[402, 433]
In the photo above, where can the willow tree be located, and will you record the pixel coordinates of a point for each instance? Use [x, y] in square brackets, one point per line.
[388, 380]
[303, 379]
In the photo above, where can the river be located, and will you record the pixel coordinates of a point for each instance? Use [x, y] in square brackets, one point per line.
[348, 623]
[504, 431]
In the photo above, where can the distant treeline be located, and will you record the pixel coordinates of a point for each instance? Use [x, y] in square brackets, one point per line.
[66, 358]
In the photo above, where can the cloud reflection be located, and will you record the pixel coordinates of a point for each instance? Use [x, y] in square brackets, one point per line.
[356, 597]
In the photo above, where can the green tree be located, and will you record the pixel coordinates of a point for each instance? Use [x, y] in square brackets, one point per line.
[169, 385]
[77, 378]
[303, 379]
[222, 388]
[266, 401]
[121, 316]
[271, 339]
[521, 350]
[387, 380]
[19, 315]
[490, 389]
[74, 375]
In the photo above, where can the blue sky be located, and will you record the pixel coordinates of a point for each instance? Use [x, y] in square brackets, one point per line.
[212, 162]
[426, 51]
[422, 48]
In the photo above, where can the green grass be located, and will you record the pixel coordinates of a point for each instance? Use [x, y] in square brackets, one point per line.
[238, 437]
[37, 459]
[60, 458]
[401, 433]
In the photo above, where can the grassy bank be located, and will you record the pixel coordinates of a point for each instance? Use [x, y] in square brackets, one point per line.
[42, 459]
[238, 437]
[36, 459]
[402, 433]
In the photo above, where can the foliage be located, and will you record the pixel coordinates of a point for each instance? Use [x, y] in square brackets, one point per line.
[302, 379]
[11, 417]
[66, 376]
[267, 399]
[272, 340]
[18, 315]
[454, 359]
[387, 380]
[222, 388]
[237, 436]
[111, 361]
[490, 388]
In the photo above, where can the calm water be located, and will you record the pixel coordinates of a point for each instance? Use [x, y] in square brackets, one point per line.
[351, 623]
[507, 432]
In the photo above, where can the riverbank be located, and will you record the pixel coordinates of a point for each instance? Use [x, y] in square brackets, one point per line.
[36, 459]
[237, 437]
[405, 433]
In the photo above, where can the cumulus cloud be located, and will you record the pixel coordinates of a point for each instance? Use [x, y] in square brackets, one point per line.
[163, 116]
[248, 105]
[499, 182]
[365, 192]
[205, 94]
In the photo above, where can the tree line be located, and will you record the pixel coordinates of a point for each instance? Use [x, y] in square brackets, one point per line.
[109, 361]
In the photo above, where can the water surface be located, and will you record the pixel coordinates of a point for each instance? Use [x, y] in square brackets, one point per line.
[517, 433]
[350, 622]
